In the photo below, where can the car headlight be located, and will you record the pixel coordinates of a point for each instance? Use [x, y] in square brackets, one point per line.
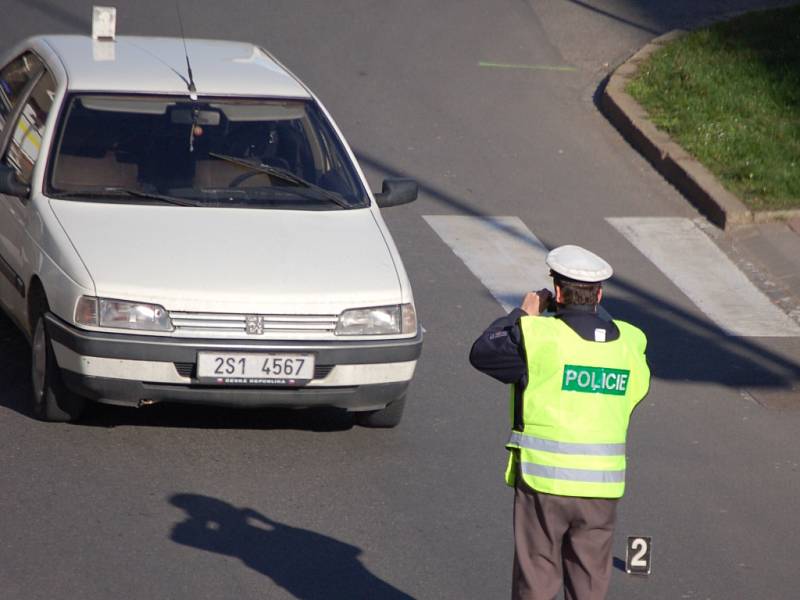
[380, 320]
[121, 314]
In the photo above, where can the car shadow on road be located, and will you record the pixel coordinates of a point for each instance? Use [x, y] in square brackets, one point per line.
[189, 416]
[308, 565]
[15, 366]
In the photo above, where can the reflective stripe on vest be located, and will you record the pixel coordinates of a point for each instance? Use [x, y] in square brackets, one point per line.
[521, 440]
[579, 475]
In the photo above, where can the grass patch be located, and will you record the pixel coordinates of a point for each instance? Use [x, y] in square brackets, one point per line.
[730, 95]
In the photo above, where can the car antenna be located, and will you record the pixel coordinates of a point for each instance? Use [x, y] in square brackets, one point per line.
[192, 88]
[190, 83]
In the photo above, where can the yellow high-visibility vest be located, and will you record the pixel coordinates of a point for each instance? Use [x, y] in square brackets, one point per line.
[576, 408]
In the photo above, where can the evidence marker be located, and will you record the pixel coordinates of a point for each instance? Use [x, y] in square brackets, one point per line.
[638, 554]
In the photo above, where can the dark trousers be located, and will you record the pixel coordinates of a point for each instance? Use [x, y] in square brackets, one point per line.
[560, 538]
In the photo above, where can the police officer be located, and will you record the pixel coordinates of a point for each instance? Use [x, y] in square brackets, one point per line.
[575, 379]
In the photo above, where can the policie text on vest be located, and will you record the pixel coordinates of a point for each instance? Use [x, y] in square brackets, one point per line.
[595, 380]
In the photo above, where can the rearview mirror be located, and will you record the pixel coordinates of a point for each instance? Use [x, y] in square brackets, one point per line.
[188, 116]
[9, 184]
[396, 192]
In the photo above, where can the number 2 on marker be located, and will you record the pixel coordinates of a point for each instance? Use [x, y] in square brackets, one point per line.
[637, 555]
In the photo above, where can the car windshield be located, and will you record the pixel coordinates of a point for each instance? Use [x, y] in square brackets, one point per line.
[212, 152]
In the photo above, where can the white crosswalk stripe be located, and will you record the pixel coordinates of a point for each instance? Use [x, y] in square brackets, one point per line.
[500, 251]
[509, 260]
[703, 272]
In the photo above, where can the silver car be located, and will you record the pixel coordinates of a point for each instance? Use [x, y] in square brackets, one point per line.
[200, 235]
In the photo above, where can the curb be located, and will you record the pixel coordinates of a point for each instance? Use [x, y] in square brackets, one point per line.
[677, 166]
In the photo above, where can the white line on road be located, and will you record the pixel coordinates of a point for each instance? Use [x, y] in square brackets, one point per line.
[500, 251]
[702, 271]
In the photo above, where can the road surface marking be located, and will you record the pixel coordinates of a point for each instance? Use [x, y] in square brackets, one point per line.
[706, 275]
[495, 65]
[501, 252]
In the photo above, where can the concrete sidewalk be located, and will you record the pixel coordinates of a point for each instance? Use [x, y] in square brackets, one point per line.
[773, 251]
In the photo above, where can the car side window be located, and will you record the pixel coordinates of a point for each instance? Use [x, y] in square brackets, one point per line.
[13, 79]
[26, 139]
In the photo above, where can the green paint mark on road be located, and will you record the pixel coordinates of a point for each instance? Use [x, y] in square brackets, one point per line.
[495, 65]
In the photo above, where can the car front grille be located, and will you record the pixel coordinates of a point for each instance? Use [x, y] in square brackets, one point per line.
[185, 369]
[214, 324]
[322, 371]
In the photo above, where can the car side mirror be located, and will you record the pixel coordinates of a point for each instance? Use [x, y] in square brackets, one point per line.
[396, 192]
[9, 184]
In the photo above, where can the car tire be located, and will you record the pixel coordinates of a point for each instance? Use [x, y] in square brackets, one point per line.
[385, 417]
[50, 399]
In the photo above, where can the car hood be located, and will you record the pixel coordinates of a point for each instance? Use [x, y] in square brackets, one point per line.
[233, 260]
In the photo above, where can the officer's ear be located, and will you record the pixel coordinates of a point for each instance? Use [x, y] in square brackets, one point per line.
[599, 294]
[559, 293]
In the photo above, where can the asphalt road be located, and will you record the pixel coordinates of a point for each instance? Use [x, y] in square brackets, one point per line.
[179, 502]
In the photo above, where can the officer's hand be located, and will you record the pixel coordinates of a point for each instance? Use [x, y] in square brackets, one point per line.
[535, 303]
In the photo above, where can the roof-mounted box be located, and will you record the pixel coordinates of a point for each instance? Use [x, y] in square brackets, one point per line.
[104, 23]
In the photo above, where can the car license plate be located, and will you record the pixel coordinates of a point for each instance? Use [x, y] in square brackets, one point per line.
[229, 368]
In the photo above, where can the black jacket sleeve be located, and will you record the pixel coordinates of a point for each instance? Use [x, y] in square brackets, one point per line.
[498, 351]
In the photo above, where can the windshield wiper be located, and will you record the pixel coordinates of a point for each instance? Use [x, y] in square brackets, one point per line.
[282, 174]
[121, 191]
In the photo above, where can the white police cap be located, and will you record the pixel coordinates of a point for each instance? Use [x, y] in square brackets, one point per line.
[579, 264]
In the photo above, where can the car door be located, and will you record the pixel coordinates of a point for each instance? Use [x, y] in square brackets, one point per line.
[26, 96]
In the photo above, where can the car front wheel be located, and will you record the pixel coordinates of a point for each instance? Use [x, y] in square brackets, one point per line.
[52, 401]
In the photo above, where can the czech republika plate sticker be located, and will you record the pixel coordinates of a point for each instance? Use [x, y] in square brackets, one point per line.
[638, 554]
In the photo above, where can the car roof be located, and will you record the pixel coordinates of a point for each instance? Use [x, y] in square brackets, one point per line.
[157, 65]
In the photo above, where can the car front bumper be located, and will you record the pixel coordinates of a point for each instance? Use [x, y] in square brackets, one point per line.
[137, 369]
